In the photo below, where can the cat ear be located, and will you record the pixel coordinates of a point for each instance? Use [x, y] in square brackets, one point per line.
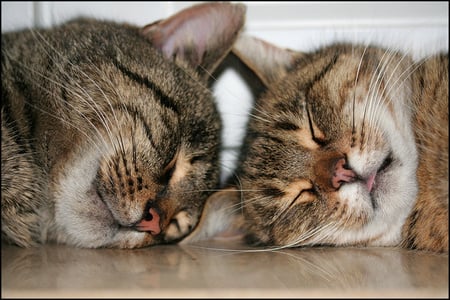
[201, 35]
[266, 60]
[221, 218]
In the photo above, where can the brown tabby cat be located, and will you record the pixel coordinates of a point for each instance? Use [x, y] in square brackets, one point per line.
[348, 146]
[110, 137]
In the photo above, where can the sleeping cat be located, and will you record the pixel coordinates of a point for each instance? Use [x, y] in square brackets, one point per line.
[110, 137]
[348, 146]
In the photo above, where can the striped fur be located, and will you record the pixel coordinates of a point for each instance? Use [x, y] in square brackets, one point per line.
[348, 146]
[103, 123]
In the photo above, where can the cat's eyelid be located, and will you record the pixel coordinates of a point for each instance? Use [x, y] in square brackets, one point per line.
[316, 134]
[300, 191]
[171, 164]
[299, 186]
[169, 170]
[305, 196]
[196, 158]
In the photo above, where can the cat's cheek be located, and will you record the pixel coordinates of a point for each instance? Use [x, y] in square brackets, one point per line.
[90, 227]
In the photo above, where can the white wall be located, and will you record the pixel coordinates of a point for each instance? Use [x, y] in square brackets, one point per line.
[420, 28]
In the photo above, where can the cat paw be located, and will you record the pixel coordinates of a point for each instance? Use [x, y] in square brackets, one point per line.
[180, 225]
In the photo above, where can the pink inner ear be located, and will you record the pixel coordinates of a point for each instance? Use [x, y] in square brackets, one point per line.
[188, 34]
[191, 27]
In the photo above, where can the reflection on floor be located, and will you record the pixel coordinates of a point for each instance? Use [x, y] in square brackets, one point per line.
[217, 269]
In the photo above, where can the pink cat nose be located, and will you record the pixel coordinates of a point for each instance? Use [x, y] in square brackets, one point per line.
[150, 222]
[342, 174]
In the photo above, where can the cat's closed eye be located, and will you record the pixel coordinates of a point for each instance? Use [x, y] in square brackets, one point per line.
[103, 128]
[168, 171]
[344, 148]
[300, 191]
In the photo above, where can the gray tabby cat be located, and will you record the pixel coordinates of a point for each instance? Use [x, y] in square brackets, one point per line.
[348, 146]
[110, 137]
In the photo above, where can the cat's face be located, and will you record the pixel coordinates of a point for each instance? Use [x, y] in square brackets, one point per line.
[124, 126]
[153, 187]
[329, 157]
[143, 177]
[160, 133]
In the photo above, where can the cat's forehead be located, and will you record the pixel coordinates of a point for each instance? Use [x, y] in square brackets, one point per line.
[348, 58]
[334, 72]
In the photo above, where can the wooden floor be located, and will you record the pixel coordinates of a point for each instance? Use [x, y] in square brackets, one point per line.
[217, 269]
